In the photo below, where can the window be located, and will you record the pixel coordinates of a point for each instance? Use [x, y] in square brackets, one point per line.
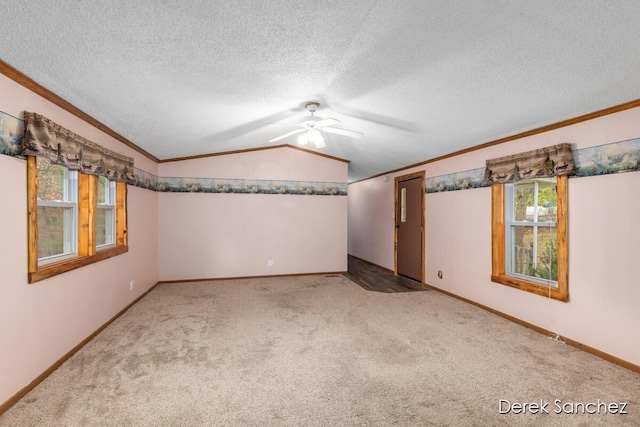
[529, 233]
[106, 213]
[75, 219]
[57, 214]
[76, 199]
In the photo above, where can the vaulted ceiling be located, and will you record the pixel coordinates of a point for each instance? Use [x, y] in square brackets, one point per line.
[420, 79]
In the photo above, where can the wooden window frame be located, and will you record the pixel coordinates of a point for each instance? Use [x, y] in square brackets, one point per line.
[498, 245]
[87, 206]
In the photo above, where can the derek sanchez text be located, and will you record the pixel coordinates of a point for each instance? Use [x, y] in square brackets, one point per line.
[560, 407]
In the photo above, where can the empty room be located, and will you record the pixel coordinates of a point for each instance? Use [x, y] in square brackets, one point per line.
[319, 213]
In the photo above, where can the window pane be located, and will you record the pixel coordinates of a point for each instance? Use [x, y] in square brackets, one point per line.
[55, 236]
[547, 201]
[535, 200]
[50, 181]
[523, 200]
[103, 185]
[535, 251]
[546, 266]
[106, 191]
[105, 214]
[522, 250]
[105, 226]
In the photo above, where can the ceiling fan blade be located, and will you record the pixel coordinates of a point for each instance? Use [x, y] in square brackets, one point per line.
[344, 132]
[375, 118]
[326, 122]
[293, 132]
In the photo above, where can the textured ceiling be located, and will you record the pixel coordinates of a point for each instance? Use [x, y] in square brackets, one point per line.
[419, 78]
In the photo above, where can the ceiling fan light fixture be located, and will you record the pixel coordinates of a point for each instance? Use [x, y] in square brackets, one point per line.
[312, 136]
[313, 126]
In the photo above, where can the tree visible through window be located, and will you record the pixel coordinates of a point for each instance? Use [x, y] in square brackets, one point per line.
[531, 230]
[57, 211]
[106, 213]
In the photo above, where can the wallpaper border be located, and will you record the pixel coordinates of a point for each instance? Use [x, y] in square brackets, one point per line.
[249, 186]
[12, 137]
[11, 134]
[615, 157]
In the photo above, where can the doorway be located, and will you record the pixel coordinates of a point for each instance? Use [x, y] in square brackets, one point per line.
[409, 224]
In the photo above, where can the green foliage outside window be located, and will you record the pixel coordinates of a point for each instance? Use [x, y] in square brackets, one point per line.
[547, 267]
[50, 219]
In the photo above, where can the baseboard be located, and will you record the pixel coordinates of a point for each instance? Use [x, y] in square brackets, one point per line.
[26, 389]
[212, 279]
[569, 341]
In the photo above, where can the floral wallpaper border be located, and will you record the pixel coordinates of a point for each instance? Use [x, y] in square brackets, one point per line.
[616, 157]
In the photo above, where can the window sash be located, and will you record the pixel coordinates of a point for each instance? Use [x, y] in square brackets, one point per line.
[106, 210]
[69, 206]
[511, 257]
[109, 212]
[511, 225]
[69, 233]
[108, 194]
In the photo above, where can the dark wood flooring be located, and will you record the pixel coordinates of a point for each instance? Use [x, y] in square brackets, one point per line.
[375, 278]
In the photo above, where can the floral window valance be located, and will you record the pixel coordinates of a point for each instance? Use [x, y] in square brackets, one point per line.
[47, 139]
[541, 163]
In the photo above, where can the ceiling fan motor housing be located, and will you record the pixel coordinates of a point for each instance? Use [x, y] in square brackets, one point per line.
[312, 107]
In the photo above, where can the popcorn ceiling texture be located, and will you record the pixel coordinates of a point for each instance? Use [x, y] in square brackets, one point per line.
[419, 79]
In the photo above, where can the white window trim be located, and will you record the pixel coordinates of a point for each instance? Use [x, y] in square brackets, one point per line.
[109, 205]
[509, 244]
[70, 229]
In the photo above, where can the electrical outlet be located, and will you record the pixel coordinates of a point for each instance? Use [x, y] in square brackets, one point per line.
[271, 263]
[439, 274]
[132, 284]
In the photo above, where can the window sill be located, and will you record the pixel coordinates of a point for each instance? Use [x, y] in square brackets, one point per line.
[55, 268]
[533, 287]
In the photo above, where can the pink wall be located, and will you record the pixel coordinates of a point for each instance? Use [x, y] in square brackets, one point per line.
[195, 235]
[182, 235]
[206, 235]
[273, 164]
[603, 240]
[41, 322]
[371, 219]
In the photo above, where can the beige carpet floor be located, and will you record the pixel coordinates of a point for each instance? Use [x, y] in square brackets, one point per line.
[320, 351]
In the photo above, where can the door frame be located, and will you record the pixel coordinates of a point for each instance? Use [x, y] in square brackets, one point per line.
[423, 184]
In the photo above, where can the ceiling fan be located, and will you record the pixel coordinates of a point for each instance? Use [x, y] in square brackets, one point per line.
[313, 126]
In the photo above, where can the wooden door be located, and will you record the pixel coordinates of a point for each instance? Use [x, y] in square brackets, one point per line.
[410, 226]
